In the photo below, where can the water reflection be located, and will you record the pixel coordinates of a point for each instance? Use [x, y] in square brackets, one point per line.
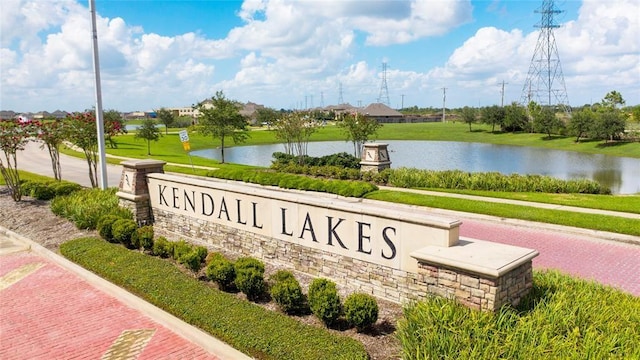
[621, 174]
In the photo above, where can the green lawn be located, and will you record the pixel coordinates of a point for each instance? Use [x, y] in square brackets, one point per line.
[559, 217]
[169, 147]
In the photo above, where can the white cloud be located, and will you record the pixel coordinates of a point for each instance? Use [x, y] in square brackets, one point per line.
[285, 50]
[599, 52]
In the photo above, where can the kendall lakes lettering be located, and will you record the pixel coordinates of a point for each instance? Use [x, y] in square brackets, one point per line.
[365, 237]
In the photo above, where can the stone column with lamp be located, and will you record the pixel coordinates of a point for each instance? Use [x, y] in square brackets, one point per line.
[375, 157]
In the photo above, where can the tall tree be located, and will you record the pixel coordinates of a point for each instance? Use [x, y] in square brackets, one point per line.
[149, 132]
[468, 115]
[222, 119]
[493, 115]
[267, 116]
[515, 118]
[613, 99]
[14, 135]
[611, 121]
[358, 130]
[546, 121]
[582, 122]
[295, 129]
[166, 117]
[83, 134]
[52, 134]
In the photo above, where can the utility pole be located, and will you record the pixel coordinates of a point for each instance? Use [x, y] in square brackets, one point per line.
[402, 104]
[444, 102]
[322, 99]
[340, 99]
[502, 94]
[99, 115]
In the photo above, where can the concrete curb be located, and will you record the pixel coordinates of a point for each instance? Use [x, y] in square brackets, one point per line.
[176, 325]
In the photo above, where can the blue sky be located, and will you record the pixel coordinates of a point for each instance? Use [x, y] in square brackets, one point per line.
[295, 54]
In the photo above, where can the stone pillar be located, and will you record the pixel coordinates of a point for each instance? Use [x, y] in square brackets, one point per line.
[375, 157]
[133, 191]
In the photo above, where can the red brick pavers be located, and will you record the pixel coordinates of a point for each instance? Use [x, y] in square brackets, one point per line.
[607, 262]
[52, 313]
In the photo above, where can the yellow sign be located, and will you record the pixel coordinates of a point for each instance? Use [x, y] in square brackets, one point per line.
[186, 146]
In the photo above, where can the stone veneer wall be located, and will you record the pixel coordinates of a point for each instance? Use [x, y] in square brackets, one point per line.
[478, 291]
[381, 281]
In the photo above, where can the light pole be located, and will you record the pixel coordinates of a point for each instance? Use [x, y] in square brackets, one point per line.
[99, 117]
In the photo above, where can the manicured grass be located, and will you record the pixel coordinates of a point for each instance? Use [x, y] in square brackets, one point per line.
[587, 221]
[247, 327]
[28, 176]
[624, 203]
[562, 318]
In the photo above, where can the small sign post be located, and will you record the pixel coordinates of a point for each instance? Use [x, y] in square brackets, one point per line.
[184, 138]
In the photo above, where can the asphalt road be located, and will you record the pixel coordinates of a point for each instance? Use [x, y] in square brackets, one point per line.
[37, 160]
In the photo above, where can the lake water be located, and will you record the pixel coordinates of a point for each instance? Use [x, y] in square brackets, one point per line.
[621, 174]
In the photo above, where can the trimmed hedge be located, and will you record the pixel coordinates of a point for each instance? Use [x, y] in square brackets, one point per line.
[249, 328]
[361, 310]
[287, 292]
[250, 277]
[290, 181]
[47, 190]
[324, 300]
[221, 271]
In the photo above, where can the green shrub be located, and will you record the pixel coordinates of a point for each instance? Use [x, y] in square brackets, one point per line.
[86, 206]
[123, 230]
[250, 277]
[192, 260]
[249, 263]
[282, 275]
[361, 310]
[287, 293]
[202, 252]
[324, 301]
[251, 282]
[221, 271]
[299, 182]
[490, 181]
[39, 190]
[105, 227]
[143, 237]
[162, 247]
[180, 248]
[62, 188]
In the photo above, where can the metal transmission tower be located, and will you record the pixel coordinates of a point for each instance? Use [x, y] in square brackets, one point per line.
[545, 82]
[340, 99]
[383, 98]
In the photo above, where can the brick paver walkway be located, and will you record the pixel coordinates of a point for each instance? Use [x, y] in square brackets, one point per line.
[47, 312]
[608, 262]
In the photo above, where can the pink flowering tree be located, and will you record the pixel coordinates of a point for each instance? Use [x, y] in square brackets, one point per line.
[82, 133]
[113, 125]
[52, 134]
[14, 135]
